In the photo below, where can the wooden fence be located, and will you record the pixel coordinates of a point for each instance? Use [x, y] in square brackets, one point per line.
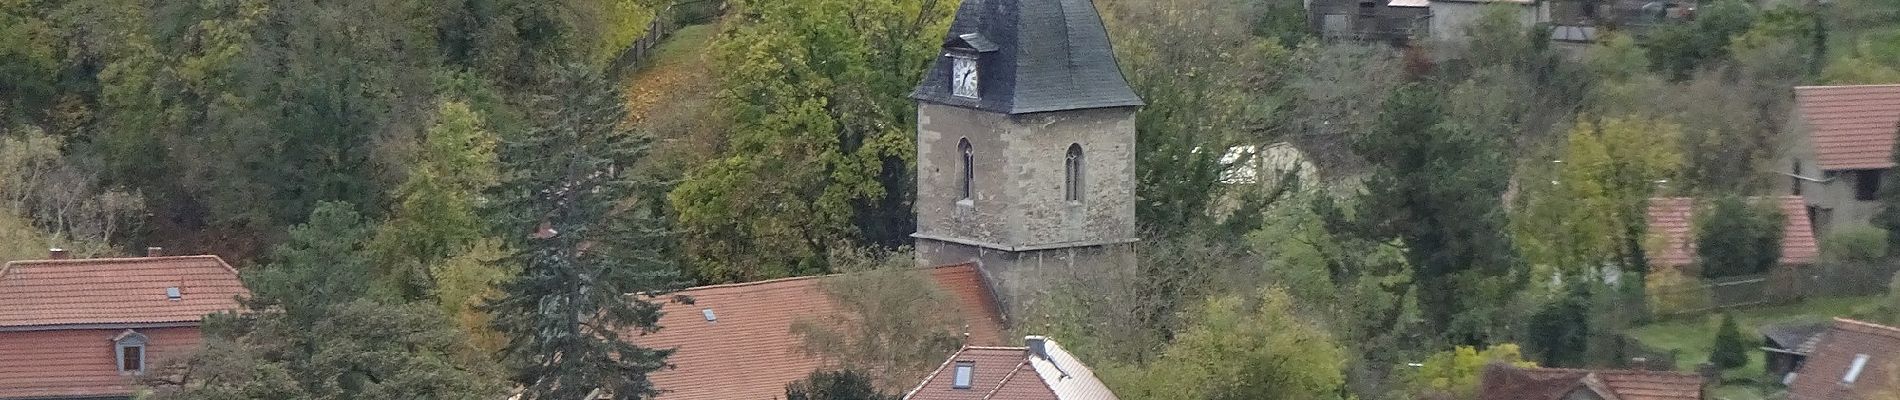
[657, 30]
[1782, 286]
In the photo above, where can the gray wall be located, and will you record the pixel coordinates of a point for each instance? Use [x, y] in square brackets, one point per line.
[1449, 18]
[1019, 184]
[1831, 202]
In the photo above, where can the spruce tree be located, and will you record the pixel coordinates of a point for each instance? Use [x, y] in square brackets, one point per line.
[1731, 350]
[590, 268]
[835, 385]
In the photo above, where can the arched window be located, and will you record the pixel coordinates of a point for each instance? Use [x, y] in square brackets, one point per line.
[1072, 173]
[969, 168]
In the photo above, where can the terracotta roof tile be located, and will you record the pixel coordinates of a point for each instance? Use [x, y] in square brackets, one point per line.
[1014, 373]
[1851, 127]
[115, 290]
[1503, 382]
[1672, 221]
[751, 352]
[1823, 375]
[75, 363]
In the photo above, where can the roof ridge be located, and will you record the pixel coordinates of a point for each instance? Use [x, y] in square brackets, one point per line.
[810, 277]
[1883, 85]
[1883, 329]
[1012, 375]
[1610, 371]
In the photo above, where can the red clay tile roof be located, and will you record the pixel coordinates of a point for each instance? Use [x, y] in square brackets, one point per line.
[1852, 127]
[751, 353]
[1503, 382]
[1672, 220]
[1822, 376]
[1012, 373]
[79, 363]
[115, 290]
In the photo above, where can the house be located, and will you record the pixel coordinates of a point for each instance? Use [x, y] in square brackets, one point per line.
[1672, 232]
[1040, 370]
[1394, 21]
[1837, 150]
[1450, 18]
[1505, 382]
[1785, 347]
[88, 328]
[1855, 360]
[734, 342]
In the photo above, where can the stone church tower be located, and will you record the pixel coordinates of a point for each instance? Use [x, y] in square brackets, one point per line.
[1025, 146]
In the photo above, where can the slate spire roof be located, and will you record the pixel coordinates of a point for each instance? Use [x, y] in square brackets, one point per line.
[1031, 56]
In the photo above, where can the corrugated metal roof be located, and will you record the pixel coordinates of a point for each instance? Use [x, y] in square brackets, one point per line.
[1051, 55]
[1851, 127]
[1012, 373]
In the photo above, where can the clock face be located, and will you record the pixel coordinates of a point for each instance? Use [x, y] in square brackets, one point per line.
[963, 77]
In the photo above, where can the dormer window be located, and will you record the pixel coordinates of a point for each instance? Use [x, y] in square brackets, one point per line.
[963, 75]
[964, 374]
[130, 348]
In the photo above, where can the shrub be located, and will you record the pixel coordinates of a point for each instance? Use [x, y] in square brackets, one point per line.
[1859, 244]
[1671, 292]
[1735, 237]
[1731, 349]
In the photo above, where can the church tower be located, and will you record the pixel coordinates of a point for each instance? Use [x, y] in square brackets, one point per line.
[1025, 146]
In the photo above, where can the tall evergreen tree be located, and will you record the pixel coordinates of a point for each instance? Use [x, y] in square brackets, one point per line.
[1437, 186]
[1731, 349]
[835, 385]
[590, 268]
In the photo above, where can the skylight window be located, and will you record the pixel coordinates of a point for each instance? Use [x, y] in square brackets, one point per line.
[708, 313]
[962, 379]
[172, 293]
[1853, 371]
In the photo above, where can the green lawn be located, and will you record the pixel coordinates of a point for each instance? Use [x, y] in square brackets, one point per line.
[1694, 337]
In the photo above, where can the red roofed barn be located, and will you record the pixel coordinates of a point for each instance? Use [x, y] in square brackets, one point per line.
[735, 341]
[1839, 148]
[1041, 370]
[1672, 231]
[87, 328]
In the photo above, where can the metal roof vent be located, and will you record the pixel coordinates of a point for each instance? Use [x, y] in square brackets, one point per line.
[171, 293]
[708, 313]
[1853, 371]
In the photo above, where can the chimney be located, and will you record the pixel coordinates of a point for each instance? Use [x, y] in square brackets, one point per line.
[57, 254]
[154, 251]
[1038, 346]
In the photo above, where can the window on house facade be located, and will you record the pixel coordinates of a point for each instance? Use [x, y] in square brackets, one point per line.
[131, 352]
[964, 372]
[969, 168]
[1867, 185]
[1072, 174]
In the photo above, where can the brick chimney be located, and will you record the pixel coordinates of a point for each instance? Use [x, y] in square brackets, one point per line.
[154, 251]
[57, 254]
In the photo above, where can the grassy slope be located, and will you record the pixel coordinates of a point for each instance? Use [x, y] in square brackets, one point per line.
[671, 97]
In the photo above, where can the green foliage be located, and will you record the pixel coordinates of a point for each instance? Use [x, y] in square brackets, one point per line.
[29, 59]
[1240, 347]
[1588, 207]
[434, 216]
[591, 265]
[821, 143]
[622, 22]
[323, 263]
[1678, 50]
[895, 325]
[1858, 244]
[360, 349]
[1736, 237]
[835, 385]
[1731, 348]
[1888, 217]
[1210, 84]
[1436, 186]
[1559, 333]
[56, 193]
[1455, 373]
